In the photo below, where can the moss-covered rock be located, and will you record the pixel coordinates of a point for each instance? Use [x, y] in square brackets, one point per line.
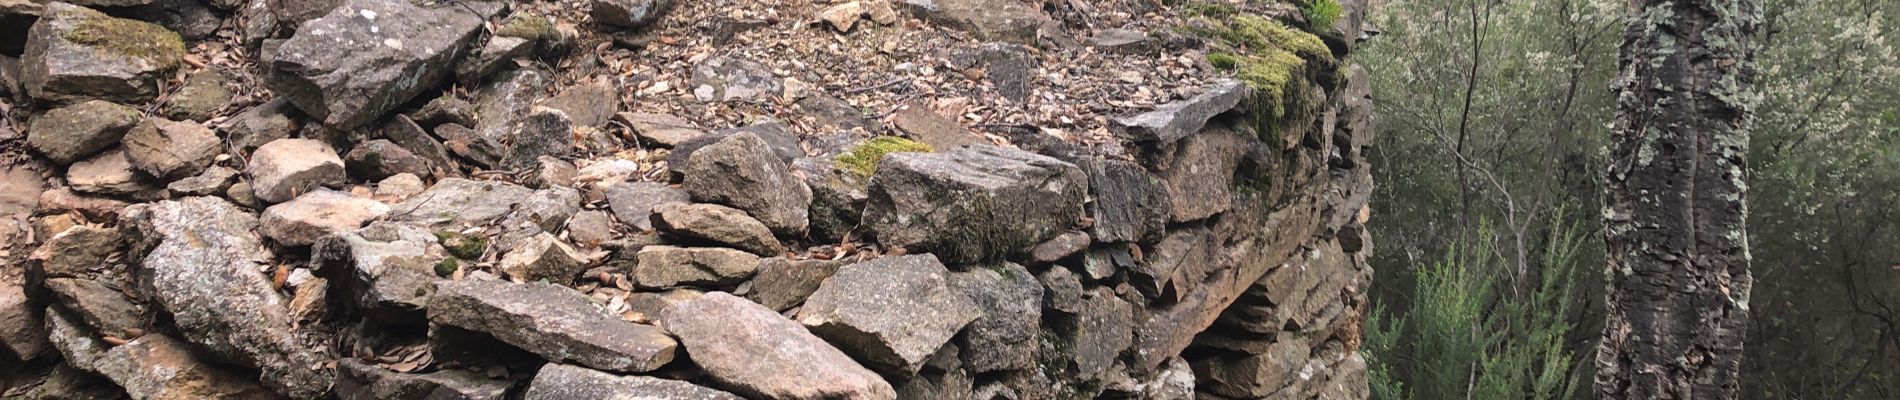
[76, 53]
[862, 159]
[462, 245]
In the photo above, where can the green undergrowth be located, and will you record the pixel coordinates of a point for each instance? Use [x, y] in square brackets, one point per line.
[1321, 14]
[862, 159]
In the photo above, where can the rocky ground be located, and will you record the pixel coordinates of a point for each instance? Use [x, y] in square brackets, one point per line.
[721, 199]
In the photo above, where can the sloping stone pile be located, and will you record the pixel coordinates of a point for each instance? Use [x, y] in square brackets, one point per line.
[394, 199]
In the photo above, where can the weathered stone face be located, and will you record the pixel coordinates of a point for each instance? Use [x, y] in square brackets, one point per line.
[201, 258]
[560, 382]
[551, 321]
[890, 313]
[742, 172]
[74, 53]
[973, 204]
[754, 351]
[365, 57]
[1000, 20]
[282, 169]
[385, 266]
[70, 133]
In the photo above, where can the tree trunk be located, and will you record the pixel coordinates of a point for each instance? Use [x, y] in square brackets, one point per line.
[1674, 224]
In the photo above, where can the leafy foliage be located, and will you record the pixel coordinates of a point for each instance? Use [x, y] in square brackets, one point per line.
[1321, 14]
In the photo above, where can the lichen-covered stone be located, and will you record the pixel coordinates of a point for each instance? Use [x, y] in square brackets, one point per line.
[1005, 336]
[754, 351]
[74, 53]
[366, 57]
[555, 322]
[78, 250]
[200, 259]
[282, 169]
[781, 284]
[633, 202]
[1173, 121]
[360, 381]
[543, 257]
[564, 382]
[303, 220]
[973, 204]
[629, 14]
[719, 224]
[71, 133]
[667, 266]
[109, 173]
[741, 171]
[1001, 20]
[103, 307]
[201, 97]
[157, 367]
[170, 149]
[385, 268]
[890, 313]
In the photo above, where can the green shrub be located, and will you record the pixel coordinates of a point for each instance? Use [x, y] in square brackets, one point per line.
[1321, 14]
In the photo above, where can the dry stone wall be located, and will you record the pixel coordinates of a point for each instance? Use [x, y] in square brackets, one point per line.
[726, 199]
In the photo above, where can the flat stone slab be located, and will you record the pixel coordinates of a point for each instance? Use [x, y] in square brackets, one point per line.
[892, 313]
[553, 321]
[754, 351]
[565, 382]
[366, 57]
[973, 204]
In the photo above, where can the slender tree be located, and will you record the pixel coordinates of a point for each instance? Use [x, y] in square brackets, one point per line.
[1676, 245]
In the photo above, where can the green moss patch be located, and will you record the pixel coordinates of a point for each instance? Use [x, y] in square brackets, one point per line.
[447, 267]
[1272, 58]
[461, 245]
[530, 27]
[862, 160]
[128, 37]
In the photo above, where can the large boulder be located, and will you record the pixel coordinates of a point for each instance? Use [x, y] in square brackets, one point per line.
[891, 313]
[366, 57]
[71, 133]
[387, 268]
[74, 53]
[741, 171]
[754, 351]
[201, 262]
[566, 382]
[973, 204]
[283, 169]
[716, 223]
[303, 220]
[555, 322]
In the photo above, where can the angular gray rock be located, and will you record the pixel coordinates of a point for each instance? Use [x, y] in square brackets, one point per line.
[157, 367]
[1060, 247]
[544, 132]
[553, 321]
[171, 150]
[742, 172]
[775, 133]
[213, 181]
[566, 382]
[1200, 178]
[360, 381]
[366, 57]
[589, 104]
[78, 250]
[303, 220]
[455, 202]
[590, 228]
[781, 284]
[108, 173]
[411, 137]
[201, 262]
[387, 268]
[754, 351]
[1131, 205]
[973, 204]
[380, 158]
[720, 224]
[723, 79]
[499, 53]
[500, 107]
[104, 308]
[1098, 333]
[22, 334]
[837, 198]
[74, 53]
[71, 133]
[1173, 121]
[282, 169]
[1001, 20]
[891, 313]
[260, 124]
[1010, 67]
[201, 97]
[1005, 336]
[543, 257]
[920, 123]
[664, 267]
[629, 14]
[663, 130]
